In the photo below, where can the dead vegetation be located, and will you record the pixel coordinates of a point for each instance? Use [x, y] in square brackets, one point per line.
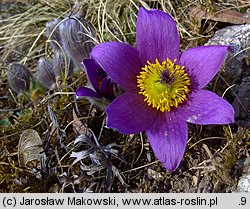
[78, 153]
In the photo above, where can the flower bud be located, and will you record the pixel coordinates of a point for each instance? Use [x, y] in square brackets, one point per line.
[45, 74]
[62, 66]
[100, 90]
[77, 38]
[19, 77]
[53, 34]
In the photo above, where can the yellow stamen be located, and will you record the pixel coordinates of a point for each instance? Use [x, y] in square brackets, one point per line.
[164, 85]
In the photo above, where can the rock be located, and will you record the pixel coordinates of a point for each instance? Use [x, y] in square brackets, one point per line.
[237, 37]
[241, 102]
[236, 70]
[244, 184]
[244, 181]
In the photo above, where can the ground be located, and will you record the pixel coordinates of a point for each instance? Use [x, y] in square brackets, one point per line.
[72, 150]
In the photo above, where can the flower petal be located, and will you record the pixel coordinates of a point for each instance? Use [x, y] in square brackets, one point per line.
[168, 138]
[129, 114]
[86, 92]
[106, 89]
[95, 72]
[156, 36]
[205, 107]
[120, 61]
[203, 62]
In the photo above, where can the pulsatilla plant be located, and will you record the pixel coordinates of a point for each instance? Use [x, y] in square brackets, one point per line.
[163, 87]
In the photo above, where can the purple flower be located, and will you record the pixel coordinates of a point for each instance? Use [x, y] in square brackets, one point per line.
[163, 88]
[101, 84]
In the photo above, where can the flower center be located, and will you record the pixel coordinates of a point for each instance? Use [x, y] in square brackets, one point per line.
[164, 85]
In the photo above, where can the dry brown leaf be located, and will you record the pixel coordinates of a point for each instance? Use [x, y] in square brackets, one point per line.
[227, 16]
[30, 149]
[79, 127]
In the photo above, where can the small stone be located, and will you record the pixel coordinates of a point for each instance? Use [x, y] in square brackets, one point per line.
[244, 184]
